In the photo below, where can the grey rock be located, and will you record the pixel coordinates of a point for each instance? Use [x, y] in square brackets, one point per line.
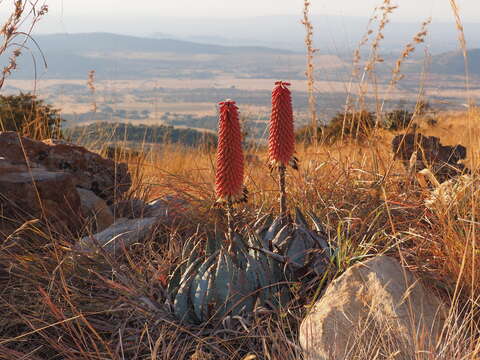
[166, 207]
[125, 232]
[131, 208]
[374, 306]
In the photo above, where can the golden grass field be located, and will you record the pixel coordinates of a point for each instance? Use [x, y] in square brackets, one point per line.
[57, 303]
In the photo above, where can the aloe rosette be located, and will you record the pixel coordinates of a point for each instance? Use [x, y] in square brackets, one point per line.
[291, 240]
[217, 284]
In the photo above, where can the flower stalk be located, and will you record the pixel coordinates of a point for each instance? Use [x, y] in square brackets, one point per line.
[230, 166]
[281, 141]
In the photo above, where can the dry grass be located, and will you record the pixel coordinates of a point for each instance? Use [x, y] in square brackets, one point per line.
[61, 304]
[74, 307]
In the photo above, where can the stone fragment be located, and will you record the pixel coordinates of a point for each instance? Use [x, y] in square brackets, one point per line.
[96, 209]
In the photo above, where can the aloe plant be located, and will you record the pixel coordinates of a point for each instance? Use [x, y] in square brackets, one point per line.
[233, 278]
[235, 272]
[224, 282]
[293, 243]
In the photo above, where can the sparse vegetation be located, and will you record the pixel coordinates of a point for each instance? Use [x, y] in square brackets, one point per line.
[29, 116]
[57, 301]
[101, 132]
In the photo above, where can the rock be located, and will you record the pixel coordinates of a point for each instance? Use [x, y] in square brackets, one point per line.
[131, 208]
[96, 209]
[427, 151]
[374, 306]
[124, 232]
[37, 194]
[89, 171]
[166, 207]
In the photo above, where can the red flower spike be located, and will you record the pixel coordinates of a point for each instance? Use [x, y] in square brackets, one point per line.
[229, 175]
[281, 142]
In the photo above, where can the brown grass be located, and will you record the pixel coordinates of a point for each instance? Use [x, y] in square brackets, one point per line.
[59, 303]
[97, 308]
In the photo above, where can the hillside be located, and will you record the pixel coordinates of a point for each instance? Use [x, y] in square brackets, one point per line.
[107, 42]
[116, 56]
[453, 63]
[334, 34]
[108, 132]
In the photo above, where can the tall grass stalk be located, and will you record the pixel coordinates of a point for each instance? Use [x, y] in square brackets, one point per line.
[310, 71]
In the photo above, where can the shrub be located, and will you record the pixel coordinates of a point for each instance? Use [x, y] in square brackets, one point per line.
[29, 116]
[397, 119]
[354, 124]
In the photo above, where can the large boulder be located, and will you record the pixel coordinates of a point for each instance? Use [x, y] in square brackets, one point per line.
[89, 170]
[37, 193]
[375, 307]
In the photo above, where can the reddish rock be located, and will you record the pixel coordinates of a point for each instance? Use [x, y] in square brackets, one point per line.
[38, 194]
[89, 170]
[95, 209]
[430, 153]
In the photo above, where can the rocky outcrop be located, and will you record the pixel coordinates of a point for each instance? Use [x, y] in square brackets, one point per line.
[89, 170]
[375, 307]
[37, 193]
[39, 180]
[420, 152]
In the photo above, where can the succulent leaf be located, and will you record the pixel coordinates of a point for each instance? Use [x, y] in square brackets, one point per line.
[181, 304]
[235, 297]
[297, 248]
[213, 243]
[199, 294]
[222, 279]
[174, 282]
[271, 232]
[300, 219]
[194, 254]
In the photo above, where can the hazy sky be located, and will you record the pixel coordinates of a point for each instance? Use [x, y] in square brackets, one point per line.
[409, 9]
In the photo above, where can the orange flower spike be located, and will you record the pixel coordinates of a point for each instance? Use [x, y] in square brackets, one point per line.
[281, 142]
[229, 175]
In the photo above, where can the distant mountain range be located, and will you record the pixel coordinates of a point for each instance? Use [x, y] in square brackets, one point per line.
[108, 43]
[333, 34]
[453, 63]
[116, 56]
